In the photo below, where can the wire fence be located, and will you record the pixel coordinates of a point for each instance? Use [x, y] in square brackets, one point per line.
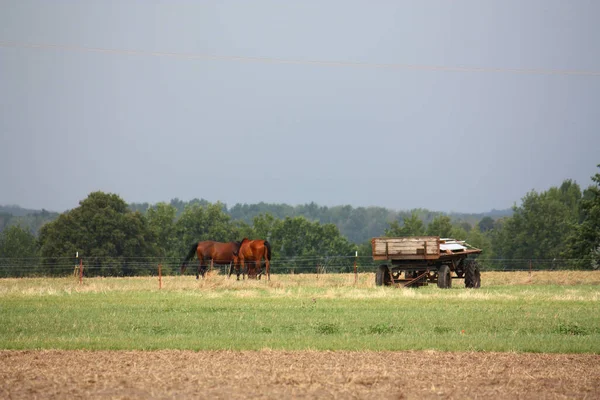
[149, 266]
[289, 61]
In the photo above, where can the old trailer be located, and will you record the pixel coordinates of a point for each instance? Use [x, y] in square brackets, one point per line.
[424, 259]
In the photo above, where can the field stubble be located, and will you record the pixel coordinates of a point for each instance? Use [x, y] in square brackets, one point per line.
[305, 374]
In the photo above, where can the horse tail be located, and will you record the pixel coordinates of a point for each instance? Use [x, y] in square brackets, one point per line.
[268, 246]
[189, 256]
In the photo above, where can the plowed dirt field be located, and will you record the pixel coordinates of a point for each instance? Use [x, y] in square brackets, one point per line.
[295, 374]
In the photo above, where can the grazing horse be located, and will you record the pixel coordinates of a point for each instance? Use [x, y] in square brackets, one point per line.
[217, 252]
[252, 252]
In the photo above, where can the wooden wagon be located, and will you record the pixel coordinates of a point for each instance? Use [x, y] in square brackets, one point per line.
[424, 259]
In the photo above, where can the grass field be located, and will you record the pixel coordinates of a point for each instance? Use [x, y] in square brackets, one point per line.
[556, 312]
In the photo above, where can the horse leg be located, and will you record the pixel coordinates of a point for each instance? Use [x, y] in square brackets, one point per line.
[251, 268]
[201, 269]
[268, 269]
[233, 266]
[256, 269]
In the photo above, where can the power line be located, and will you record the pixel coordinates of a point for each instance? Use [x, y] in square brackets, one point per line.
[323, 63]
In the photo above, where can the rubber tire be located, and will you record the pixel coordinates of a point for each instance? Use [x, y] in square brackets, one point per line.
[382, 276]
[477, 280]
[472, 275]
[444, 277]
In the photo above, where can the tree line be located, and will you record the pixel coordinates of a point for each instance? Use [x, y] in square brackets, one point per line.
[358, 224]
[116, 241]
[559, 226]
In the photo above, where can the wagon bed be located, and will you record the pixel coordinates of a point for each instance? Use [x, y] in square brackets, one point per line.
[419, 248]
[425, 259]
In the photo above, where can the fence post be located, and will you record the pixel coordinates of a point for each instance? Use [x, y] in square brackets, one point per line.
[80, 271]
[76, 267]
[355, 271]
[160, 276]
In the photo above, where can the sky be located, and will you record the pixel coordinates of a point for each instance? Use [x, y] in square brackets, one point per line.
[460, 106]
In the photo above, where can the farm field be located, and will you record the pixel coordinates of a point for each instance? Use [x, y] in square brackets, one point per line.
[301, 336]
[52, 374]
[303, 312]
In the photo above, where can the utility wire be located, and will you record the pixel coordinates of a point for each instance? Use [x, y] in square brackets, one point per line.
[322, 63]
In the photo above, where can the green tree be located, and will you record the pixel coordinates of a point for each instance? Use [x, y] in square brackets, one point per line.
[569, 194]
[357, 224]
[539, 228]
[304, 245]
[465, 226]
[111, 239]
[458, 232]
[161, 221]
[411, 226]
[264, 225]
[244, 230]
[486, 224]
[440, 226]
[198, 223]
[365, 253]
[584, 244]
[480, 240]
[18, 252]
[5, 219]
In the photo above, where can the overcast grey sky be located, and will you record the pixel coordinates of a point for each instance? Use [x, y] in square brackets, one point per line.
[153, 127]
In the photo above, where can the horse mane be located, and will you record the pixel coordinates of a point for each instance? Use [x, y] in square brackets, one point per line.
[236, 245]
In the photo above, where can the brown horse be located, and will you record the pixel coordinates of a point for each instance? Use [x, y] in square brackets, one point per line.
[217, 252]
[252, 252]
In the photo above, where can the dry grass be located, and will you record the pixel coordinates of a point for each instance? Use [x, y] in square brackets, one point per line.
[327, 285]
[302, 374]
[524, 278]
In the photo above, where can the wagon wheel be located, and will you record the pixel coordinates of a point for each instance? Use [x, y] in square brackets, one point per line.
[444, 277]
[477, 280]
[472, 275]
[382, 276]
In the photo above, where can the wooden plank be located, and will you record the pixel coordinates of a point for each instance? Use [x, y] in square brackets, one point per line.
[405, 246]
[407, 239]
[406, 243]
[420, 245]
[410, 239]
[415, 257]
